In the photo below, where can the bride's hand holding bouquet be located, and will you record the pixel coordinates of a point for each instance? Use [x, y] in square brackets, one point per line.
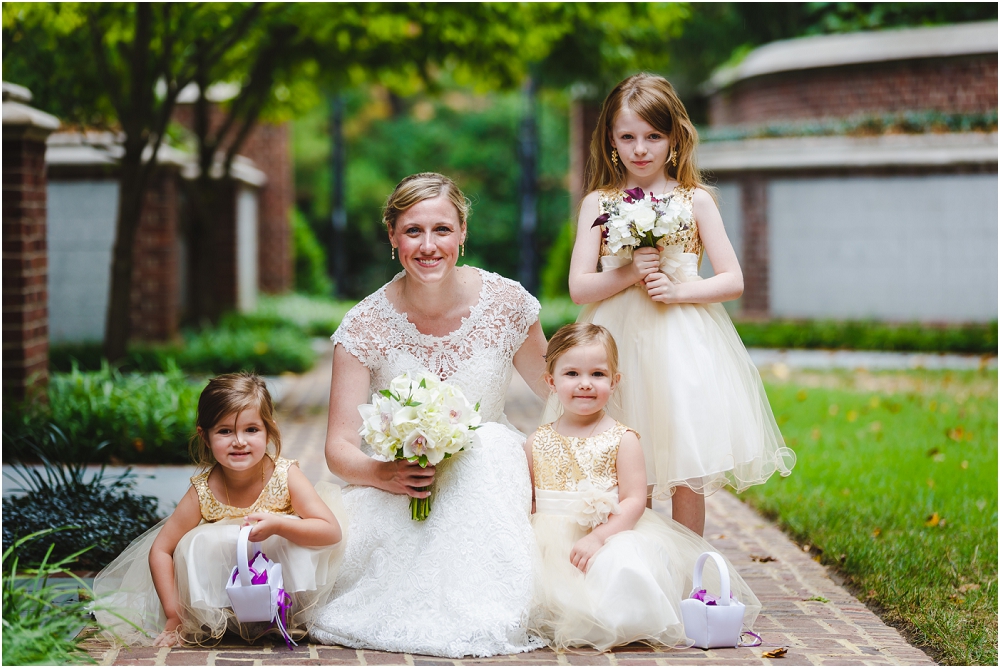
[421, 420]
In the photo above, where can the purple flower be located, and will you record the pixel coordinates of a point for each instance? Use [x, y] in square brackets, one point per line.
[602, 219]
[634, 194]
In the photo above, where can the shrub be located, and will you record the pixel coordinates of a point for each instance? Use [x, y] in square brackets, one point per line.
[555, 273]
[265, 344]
[40, 626]
[143, 417]
[556, 313]
[314, 316]
[310, 259]
[102, 512]
[868, 335]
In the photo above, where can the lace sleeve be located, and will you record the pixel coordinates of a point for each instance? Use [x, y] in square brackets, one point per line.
[518, 309]
[355, 334]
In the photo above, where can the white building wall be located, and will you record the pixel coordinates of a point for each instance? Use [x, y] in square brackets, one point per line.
[81, 230]
[246, 249]
[892, 247]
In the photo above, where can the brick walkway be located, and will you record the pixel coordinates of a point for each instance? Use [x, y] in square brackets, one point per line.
[805, 611]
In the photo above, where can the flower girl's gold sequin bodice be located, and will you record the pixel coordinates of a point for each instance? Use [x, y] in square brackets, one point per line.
[274, 498]
[688, 239]
[560, 462]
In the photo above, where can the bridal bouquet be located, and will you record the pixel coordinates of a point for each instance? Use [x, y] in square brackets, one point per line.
[420, 419]
[640, 219]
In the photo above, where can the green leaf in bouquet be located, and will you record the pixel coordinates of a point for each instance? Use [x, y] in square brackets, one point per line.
[387, 394]
[423, 383]
[478, 403]
[423, 461]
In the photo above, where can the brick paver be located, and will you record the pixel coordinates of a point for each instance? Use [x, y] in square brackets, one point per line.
[840, 631]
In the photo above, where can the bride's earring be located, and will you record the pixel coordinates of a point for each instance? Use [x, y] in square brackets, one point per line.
[393, 253]
[463, 249]
[614, 157]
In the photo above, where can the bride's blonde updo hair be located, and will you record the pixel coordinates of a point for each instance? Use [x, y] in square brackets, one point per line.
[581, 334]
[418, 187]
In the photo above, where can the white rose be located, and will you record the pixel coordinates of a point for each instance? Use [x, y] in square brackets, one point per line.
[642, 215]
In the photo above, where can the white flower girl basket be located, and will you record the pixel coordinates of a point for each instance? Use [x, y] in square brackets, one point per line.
[709, 621]
[256, 588]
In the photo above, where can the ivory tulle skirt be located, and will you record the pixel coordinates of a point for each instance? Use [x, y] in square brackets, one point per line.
[127, 605]
[632, 590]
[689, 389]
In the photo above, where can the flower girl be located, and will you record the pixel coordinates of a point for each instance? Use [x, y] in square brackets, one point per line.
[689, 386]
[611, 571]
[169, 585]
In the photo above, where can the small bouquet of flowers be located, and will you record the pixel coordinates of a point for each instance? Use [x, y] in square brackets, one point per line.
[420, 419]
[641, 219]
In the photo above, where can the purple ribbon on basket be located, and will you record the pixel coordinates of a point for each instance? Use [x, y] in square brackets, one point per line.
[258, 578]
[706, 598]
[284, 605]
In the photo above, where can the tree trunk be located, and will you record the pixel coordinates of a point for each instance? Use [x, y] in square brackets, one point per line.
[212, 284]
[131, 189]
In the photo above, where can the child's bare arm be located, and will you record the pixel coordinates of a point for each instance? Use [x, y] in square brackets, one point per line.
[631, 502]
[727, 284]
[586, 284]
[185, 517]
[316, 528]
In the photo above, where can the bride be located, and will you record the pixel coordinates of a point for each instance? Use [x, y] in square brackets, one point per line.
[460, 582]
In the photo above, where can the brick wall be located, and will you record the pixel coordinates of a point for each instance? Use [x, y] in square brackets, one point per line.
[154, 308]
[269, 146]
[25, 266]
[966, 84]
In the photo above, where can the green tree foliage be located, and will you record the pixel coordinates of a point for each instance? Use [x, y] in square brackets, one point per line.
[470, 137]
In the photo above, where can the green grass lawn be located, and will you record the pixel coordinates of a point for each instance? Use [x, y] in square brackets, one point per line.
[896, 486]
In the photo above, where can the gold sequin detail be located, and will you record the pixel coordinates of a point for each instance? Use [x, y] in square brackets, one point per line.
[561, 462]
[274, 498]
[689, 238]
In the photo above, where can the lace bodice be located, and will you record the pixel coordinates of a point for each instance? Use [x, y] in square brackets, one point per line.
[477, 356]
[560, 462]
[274, 498]
[688, 238]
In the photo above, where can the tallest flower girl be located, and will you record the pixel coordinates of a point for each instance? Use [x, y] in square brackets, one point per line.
[688, 385]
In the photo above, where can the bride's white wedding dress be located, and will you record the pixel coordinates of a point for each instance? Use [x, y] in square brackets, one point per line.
[460, 582]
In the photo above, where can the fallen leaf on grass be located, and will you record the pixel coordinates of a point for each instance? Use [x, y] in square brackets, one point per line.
[821, 599]
[876, 532]
[818, 559]
[761, 559]
[932, 520]
[957, 599]
[966, 588]
[775, 653]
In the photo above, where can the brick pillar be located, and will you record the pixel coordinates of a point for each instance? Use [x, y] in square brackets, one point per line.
[25, 262]
[269, 146]
[756, 283]
[154, 312]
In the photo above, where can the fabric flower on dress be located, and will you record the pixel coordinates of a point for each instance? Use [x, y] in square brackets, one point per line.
[595, 505]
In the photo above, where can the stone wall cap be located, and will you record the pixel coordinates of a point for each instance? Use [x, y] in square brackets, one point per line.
[19, 114]
[103, 148]
[806, 53]
[15, 93]
[924, 150]
[243, 170]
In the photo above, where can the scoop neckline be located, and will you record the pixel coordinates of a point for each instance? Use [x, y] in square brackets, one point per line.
[466, 320]
[259, 496]
[551, 426]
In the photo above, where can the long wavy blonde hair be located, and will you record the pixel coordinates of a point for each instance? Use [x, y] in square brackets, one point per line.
[655, 101]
